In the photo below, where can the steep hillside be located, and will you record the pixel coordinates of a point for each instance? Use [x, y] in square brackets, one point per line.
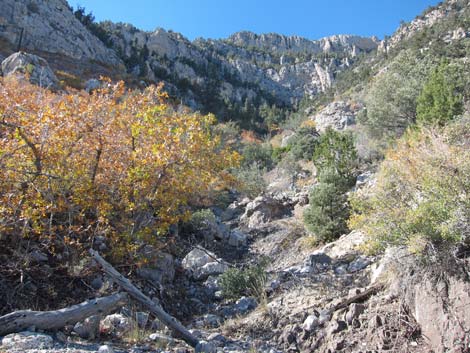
[49, 26]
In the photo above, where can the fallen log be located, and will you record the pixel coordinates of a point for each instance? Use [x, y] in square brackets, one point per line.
[53, 320]
[359, 298]
[154, 308]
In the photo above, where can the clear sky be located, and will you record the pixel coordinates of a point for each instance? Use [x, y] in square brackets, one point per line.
[219, 18]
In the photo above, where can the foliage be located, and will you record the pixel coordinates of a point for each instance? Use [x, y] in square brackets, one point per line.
[302, 144]
[250, 281]
[392, 97]
[335, 158]
[88, 20]
[250, 180]
[440, 100]
[421, 195]
[117, 163]
[200, 219]
[259, 153]
[279, 153]
[328, 211]
[335, 150]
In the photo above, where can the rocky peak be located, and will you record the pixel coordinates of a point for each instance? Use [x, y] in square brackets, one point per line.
[50, 26]
[428, 19]
[280, 44]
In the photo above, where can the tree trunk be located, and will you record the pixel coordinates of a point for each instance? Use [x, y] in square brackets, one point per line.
[54, 320]
[135, 293]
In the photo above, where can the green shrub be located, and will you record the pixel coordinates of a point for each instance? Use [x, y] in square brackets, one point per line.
[251, 281]
[392, 97]
[279, 153]
[336, 150]
[200, 219]
[250, 180]
[441, 100]
[259, 153]
[420, 198]
[302, 144]
[335, 158]
[328, 211]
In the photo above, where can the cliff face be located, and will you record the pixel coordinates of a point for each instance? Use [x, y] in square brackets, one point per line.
[244, 65]
[50, 26]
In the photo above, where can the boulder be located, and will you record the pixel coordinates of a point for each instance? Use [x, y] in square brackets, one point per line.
[162, 339]
[355, 309]
[201, 264]
[264, 209]
[23, 341]
[337, 115]
[212, 320]
[335, 327]
[358, 264]
[311, 323]
[237, 238]
[244, 305]
[161, 268]
[37, 68]
[345, 247]
[391, 263]
[115, 325]
[197, 258]
[206, 347]
[88, 328]
[92, 85]
[209, 269]
[442, 310]
[105, 349]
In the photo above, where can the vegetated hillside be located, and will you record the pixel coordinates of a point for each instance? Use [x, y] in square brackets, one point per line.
[344, 229]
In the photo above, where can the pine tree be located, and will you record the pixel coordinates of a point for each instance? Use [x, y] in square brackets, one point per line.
[440, 100]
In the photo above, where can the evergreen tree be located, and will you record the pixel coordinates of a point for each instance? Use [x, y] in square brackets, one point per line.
[335, 158]
[440, 100]
[327, 215]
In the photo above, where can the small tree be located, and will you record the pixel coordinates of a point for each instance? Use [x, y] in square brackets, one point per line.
[440, 100]
[327, 215]
[391, 98]
[335, 158]
[335, 150]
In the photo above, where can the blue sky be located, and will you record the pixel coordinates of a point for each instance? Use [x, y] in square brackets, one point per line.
[219, 18]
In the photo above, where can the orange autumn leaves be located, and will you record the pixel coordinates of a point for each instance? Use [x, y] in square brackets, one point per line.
[117, 163]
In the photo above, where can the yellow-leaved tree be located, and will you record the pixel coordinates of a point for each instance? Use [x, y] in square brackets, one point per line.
[118, 163]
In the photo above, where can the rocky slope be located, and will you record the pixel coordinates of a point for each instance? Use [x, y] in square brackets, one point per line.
[445, 11]
[50, 26]
[244, 65]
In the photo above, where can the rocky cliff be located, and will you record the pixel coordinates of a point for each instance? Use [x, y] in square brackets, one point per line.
[244, 65]
[49, 26]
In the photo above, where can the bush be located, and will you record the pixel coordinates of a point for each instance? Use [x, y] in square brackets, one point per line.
[335, 158]
[335, 150]
[302, 144]
[392, 97]
[328, 211]
[250, 180]
[421, 195]
[251, 281]
[117, 163]
[441, 99]
[201, 219]
[259, 153]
